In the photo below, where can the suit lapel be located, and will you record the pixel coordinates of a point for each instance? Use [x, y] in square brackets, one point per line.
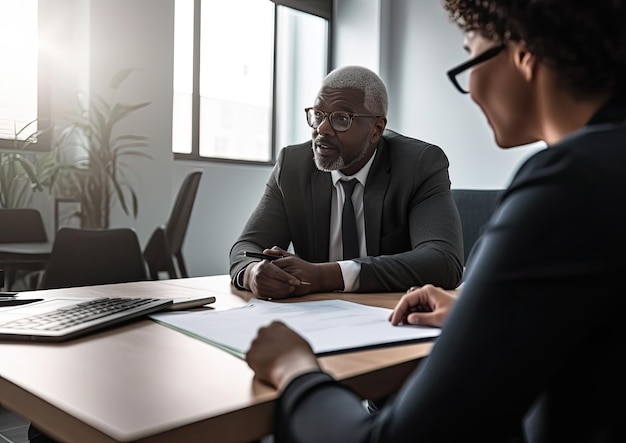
[374, 197]
[321, 194]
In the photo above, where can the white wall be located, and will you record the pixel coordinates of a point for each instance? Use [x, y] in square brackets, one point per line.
[410, 43]
[357, 31]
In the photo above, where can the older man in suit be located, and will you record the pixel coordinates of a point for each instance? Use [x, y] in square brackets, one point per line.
[408, 230]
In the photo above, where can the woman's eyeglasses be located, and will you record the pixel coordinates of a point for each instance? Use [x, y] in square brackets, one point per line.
[340, 121]
[459, 76]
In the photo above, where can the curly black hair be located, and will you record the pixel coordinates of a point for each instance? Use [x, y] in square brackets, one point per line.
[582, 40]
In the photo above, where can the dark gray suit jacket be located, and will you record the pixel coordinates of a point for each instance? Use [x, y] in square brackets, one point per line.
[412, 226]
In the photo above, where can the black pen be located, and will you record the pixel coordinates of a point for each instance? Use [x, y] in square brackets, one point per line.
[18, 301]
[261, 255]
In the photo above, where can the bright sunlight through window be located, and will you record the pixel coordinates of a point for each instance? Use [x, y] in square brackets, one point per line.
[18, 70]
[232, 114]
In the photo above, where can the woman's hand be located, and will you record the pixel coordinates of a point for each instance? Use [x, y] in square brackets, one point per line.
[424, 306]
[278, 354]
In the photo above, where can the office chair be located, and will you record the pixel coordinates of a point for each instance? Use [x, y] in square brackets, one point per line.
[84, 257]
[475, 208]
[20, 225]
[163, 252]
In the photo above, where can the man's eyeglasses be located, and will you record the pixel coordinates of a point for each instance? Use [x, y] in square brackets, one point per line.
[340, 121]
[459, 75]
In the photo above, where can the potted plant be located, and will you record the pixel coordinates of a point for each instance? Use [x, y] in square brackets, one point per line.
[20, 171]
[89, 156]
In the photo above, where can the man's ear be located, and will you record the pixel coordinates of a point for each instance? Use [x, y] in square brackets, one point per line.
[381, 123]
[525, 61]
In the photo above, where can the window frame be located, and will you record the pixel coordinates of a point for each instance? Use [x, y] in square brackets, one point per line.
[320, 8]
[43, 139]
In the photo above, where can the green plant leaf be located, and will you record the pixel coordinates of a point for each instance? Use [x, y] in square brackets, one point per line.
[119, 77]
[20, 169]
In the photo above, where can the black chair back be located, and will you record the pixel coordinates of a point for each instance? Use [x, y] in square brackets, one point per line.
[163, 251]
[176, 227]
[85, 257]
[22, 225]
[475, 208]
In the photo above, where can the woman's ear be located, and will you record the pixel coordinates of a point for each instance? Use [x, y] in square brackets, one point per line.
[525, 61]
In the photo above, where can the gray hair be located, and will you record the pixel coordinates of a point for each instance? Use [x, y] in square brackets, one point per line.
[374, 90]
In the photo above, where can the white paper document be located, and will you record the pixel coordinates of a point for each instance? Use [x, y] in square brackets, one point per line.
[328, 325]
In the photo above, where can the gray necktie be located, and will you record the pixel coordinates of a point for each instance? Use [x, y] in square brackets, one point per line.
[348, 222]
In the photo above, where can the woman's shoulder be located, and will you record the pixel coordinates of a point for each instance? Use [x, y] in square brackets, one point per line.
[590, 152]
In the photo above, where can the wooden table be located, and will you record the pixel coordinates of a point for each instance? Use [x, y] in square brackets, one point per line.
[145, 382]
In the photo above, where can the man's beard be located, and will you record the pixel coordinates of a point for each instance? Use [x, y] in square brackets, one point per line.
[340, 162]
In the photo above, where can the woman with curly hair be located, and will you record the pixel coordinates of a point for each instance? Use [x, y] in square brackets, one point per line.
[531, 347]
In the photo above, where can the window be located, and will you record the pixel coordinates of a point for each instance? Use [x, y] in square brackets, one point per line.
[24, 104]
[243, 77]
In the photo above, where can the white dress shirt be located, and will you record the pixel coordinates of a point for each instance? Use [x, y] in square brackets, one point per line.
[349, 269]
